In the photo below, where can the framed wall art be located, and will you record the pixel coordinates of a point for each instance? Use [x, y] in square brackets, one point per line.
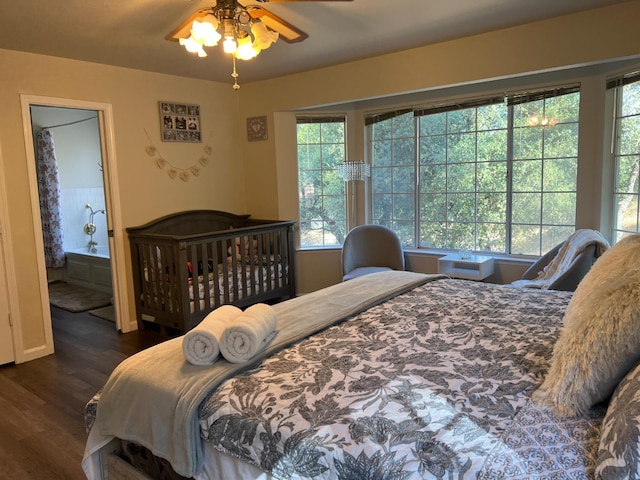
[257, 128]
[180, 122]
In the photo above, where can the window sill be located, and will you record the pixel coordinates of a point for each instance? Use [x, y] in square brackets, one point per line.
[500, 257]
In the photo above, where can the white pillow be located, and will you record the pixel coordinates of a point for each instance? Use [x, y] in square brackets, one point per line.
[600, 338]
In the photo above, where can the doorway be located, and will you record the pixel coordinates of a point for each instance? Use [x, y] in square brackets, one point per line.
[73, 209]
[105, 216]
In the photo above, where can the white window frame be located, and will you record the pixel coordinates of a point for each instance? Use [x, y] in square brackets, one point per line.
[317, 193]
[623, 152]
[546, 240]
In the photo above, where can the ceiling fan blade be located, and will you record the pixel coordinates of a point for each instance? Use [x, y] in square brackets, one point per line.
[184, 29]
[288, 32]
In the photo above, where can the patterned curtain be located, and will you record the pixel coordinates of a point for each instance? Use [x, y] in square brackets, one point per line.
[49, 190]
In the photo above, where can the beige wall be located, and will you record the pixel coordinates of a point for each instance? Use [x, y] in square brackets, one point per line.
[595, 37]
[145, 191]
[266, 187]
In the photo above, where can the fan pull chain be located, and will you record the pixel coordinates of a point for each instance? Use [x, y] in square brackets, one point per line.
[235, 74]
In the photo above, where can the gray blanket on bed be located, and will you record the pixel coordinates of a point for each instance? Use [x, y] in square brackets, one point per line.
[152, 398]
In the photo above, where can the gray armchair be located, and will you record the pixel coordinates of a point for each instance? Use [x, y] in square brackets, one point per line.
[565, 265]
[370, 249]
[569, 279]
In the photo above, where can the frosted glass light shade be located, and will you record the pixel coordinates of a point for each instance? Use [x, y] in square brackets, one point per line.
[192, 46]
[263, 37]
[229, 45]
[206, 31]
[245, 50]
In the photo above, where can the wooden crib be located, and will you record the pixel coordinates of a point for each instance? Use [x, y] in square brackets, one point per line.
[189, 263]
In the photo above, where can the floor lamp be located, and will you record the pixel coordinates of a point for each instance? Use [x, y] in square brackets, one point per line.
[352, 171]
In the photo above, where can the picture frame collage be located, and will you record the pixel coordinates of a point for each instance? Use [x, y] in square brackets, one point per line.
[180, 122]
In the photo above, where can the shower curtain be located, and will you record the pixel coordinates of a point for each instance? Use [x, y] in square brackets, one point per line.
[49, 190]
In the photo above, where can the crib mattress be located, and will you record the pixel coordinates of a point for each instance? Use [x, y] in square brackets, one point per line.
[227, 286]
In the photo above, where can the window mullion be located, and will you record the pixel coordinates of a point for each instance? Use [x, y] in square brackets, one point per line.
[416, 172]
[509, 209]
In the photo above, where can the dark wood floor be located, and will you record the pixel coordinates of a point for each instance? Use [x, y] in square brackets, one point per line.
[42, 433]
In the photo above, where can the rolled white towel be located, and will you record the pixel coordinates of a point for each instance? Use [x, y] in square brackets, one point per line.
[201, 345]
[248, 333]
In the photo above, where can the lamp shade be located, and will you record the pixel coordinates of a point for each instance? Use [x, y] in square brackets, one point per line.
[206, 31]
[263, 37]
[354, 170]
[192, 46]
[245, 50]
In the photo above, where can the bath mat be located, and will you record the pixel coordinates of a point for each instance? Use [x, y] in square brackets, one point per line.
[76, 299]
[106, 313]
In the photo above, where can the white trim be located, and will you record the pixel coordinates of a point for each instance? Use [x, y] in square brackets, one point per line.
[114, 219]
[47, 348]
[36, 352]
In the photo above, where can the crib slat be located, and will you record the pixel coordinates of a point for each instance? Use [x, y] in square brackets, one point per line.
[262, 270]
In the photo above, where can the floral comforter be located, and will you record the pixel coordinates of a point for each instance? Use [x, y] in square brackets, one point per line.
[432, 384]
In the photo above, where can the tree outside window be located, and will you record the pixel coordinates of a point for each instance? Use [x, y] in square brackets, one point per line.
[321, 147]
[488, 175]
[626, 149]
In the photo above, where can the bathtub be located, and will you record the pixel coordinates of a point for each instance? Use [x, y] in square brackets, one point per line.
[91, 270]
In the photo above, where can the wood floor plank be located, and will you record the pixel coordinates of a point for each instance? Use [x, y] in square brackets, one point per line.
[42, 433]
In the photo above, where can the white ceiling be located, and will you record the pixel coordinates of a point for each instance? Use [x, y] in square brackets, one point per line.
[131, 33]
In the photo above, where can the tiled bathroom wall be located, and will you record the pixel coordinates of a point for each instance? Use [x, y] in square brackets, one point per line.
[75, 215]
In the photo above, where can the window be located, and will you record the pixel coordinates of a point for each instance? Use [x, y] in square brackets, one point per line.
[393, 174]
[321, 147]
[489, 175]
[463, 177]
[626, 151]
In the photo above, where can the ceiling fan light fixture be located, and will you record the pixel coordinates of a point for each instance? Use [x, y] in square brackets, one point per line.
[193, 46]
[205, 32]
[229, 45]
[244, 31]
[245, 50]
[263, 37]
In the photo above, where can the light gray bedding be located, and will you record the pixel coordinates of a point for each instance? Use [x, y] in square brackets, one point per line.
[434, 383]
[152, 397]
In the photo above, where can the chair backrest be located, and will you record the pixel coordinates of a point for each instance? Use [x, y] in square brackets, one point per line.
[372, 246]
[571, 277]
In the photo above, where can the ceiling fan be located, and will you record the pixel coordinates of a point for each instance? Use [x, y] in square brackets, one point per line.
[288, 32]
[247, 30]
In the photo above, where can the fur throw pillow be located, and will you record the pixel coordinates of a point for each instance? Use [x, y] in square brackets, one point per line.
[600, 338]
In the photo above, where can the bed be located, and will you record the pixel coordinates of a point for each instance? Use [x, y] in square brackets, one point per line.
[189, 263]
[391, 375]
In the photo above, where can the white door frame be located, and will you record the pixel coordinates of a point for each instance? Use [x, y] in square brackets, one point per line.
[112, 199]
[8, 289]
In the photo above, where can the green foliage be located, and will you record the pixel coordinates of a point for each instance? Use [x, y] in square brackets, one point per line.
[449, 185]
[462, 171]
[627, 156]
[394, 176]
[321, 147]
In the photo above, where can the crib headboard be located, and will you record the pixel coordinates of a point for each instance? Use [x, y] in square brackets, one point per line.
[195, 222]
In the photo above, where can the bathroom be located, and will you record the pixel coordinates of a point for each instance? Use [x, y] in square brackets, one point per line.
[82, 203]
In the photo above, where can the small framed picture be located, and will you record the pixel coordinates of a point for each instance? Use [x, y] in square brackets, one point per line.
[257, 128]
[180, 122]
